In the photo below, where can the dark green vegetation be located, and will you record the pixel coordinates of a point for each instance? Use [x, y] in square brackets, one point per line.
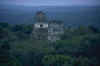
[79, 47]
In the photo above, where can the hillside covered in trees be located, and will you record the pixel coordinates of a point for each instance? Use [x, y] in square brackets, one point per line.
[79, 46]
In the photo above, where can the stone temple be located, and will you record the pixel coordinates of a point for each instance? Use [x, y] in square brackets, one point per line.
[46, 30]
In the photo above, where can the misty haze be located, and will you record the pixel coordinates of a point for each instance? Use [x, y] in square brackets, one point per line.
[75, 15]
[49, 33]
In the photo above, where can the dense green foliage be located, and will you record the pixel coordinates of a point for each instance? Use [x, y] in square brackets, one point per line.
[78, 47]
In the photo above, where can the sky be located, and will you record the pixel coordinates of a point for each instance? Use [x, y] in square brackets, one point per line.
[51, 2]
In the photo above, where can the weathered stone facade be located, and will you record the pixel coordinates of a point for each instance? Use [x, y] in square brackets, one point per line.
[40, 29]
[44, 30]
[55, 30]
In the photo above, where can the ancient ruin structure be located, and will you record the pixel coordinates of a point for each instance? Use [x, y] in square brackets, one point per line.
[46, 30]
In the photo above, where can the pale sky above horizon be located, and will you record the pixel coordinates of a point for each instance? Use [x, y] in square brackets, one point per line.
[51, 2]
